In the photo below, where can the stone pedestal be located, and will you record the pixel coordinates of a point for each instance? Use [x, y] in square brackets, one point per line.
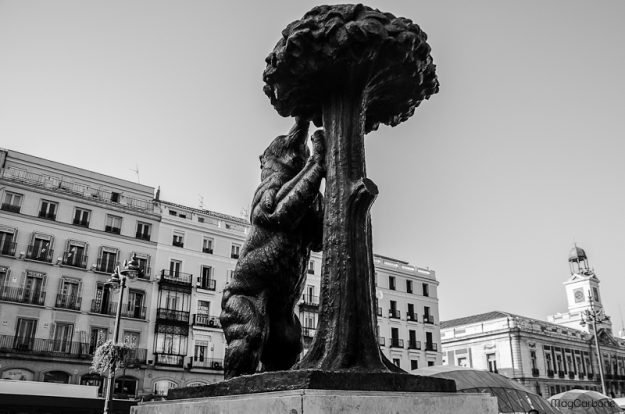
[327, 402]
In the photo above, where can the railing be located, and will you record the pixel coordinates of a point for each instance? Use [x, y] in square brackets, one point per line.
[127, 310]
[10, 207]
[234, 255]
[172, 315]
[133, 311]
[208, 284]
[177, 243]
[46, 215]
[431, 346]
[561, 374]
[106, 266]
[23, 295]
[74, 259]
[111, 229]
[176, 277]
[396, 343]
[171, 360]
[136, 356]
[68, 302]
[394, 313]
[202, 319]
[7, 248]
[142, 236]
[550, 373]
[207, 250]
[48, 347]
[75, 189]
[308, 332]
[81, 223]
[103, 309]
[412, 317]
[144, 273]
[535, 372]
[206, 363]
[414, 344]
[581, 375]
[571, 375]
[39, 253]
[381, 341]
[428, 319]
[310, 300]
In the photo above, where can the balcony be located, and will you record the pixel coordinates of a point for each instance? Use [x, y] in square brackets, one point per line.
[127, 310]
[102, 308]
[205, 320]
[170, 315]
[170, 360]
[394, 314]
[560, 374]
[590, 376]
[207, 284]
[206, 363]
[74, 259]
[309, 301]
[414, 344]
[308, 332]
[106, 266]
[113, 230]
[22, 295]
[136, 356]
[142, 236]
[208, 250]
[571, 375]
[68, 302]
[535, 372]
[234, 255]
[7, 248]
[381, 341]
[177, 243]
[412, 317]
[46, 215]
[176, 278]
[550, 373]
[431, 346]
[40, 254]
[581, 375]
[396, 343]
[81, 223]
[45, 347]
[10, 207]
[428, 319]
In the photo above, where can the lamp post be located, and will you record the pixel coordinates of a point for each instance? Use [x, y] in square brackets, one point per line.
[118, 279]
[594, 317]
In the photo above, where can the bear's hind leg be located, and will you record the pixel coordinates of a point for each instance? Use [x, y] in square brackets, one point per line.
[284, 343]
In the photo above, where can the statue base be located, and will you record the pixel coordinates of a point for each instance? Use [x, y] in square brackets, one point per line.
[327, 402]
[316, 392]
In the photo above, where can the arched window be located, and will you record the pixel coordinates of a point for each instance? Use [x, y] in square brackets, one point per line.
[58, 377]
[93, 380]
[18, 374]
[125, 387]
[196, 384]
[161, 387]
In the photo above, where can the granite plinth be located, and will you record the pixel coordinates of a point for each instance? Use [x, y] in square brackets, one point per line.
[316, 380]
[327, 402]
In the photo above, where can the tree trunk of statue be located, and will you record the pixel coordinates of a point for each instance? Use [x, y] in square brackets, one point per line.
[346, 332]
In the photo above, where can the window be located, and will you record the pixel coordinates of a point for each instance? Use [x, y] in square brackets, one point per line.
[430, 363]
[115, 197]
[409, 286]
[74, 254]
[58, 377]
[40, 249]
[144, 230]
[161, 387]
[491, 361]
[595, 293]
[200, 219]
[412, 339]
[81, 217]
[12, 202]
[7, 245]
[533, 359]
[33, 288]
[414, 364]
[393, 312]
[131, 338]
[102, 302]
[48, 210]
[462, 362]
[411, 316]
[174, 268]
[203, 307]
[311, 267]
[178, 239]
[427, 318]
[200, 352]
[426, 289]
[62, 336]
[235, 250]
[391, 282]
[113, 224]
[144, 265]
[207, 245]
[98, 337]
[25, 334]
[429, 343]
[173, 213]
[69, 294]
[205, 280]
[135, 304]
[107, 260]
[396, 361]
[125, 386]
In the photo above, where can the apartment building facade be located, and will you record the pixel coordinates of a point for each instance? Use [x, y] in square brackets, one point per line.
[63, 230]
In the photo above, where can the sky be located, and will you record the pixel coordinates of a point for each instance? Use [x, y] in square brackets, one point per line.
[490, 183]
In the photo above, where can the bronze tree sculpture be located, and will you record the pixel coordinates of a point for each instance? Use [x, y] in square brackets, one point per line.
[348, 68]
[257, 305]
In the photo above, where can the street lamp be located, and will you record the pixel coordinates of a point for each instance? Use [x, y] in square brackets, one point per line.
[118, 280]
[594, 317]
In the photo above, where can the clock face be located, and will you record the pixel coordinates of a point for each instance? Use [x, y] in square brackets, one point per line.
[579, 295]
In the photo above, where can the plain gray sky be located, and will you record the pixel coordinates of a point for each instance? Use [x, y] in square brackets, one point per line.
[489, 183]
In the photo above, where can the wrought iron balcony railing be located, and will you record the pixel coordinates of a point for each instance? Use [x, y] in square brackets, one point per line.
[127, 310]
[414, 344]
[308, 332]
[81, 223]
[74, 259]
[431, 346]
[102, 308]
[206, 363]
[176, 277]
[39, 253]
[172, 315]
[310, 300]
[205, 320]
[46, 215]
[47, 347]
[208, 250]
[396, 343]
[23, 295]
[10, 207]
[412, 317]
[394, 313]
[142, 236]
[144, 273]
[208, 284]
[428, 319]
[68, 302]
[171, 360]
[7, 248]
[106, 266]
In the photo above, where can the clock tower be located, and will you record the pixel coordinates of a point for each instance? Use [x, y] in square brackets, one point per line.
[582, 292]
